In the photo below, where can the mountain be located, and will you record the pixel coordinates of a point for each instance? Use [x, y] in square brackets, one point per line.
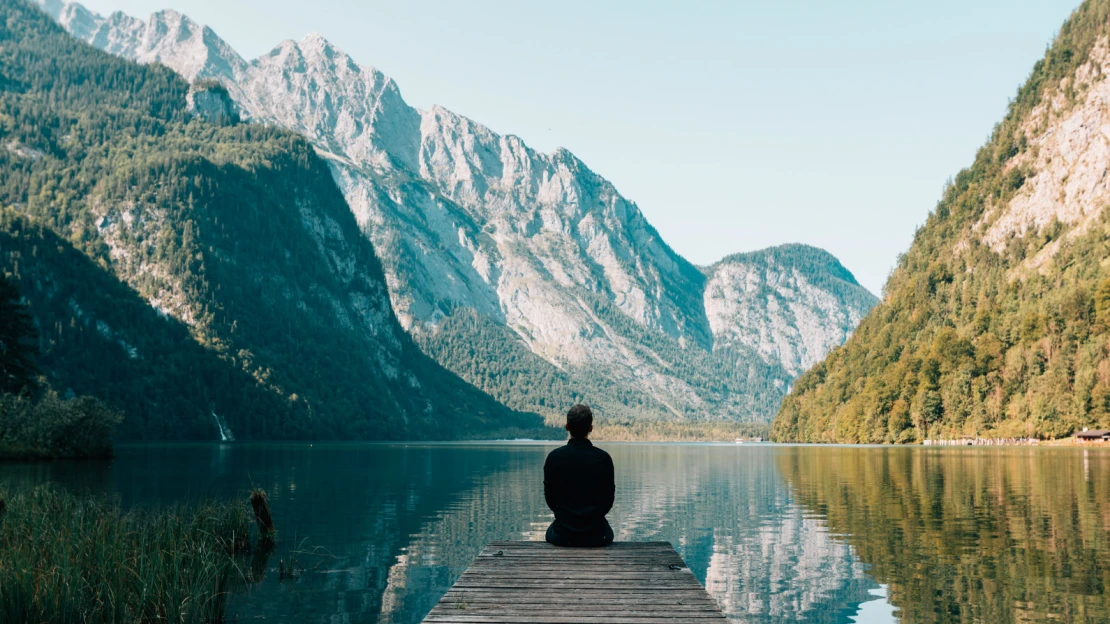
[996, 321]
[203, 275]
[790, 304]
[527, 274]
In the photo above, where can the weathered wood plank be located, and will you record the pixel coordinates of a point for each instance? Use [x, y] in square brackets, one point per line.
[494, 563]
[599, 609]
[537, 583]
[613, 550]
[576, 575]
[614, 547]
[599, 606]
[583, 591]
[590, 556]
[579, 570]
[567, 580]
[571, 552]
[535, 597]
[576, 553]
[587, 616]
[582, 581]
[569, 619]
[578, 563]
[555, 611]
[600, 595]
[607, 606]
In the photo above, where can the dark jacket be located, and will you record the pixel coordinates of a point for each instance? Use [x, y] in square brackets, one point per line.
[579, 487]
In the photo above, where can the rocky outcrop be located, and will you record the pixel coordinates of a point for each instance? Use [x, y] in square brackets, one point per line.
[209, 100]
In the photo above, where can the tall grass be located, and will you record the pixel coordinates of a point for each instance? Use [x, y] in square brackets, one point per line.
[67, 558]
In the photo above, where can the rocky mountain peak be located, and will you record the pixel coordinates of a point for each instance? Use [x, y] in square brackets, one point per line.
[539, 246]
[791, 304]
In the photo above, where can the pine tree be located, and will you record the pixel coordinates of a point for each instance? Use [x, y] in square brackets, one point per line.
[18, 340]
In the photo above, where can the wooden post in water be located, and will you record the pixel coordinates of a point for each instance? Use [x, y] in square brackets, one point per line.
[535, 582]
[261, 506]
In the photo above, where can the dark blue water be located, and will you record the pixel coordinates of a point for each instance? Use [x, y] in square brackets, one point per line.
[776, 533]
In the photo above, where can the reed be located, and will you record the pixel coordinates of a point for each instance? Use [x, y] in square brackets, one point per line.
[67, 558]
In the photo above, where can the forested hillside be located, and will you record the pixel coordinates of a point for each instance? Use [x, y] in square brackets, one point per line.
[996, 321]
[207, 278]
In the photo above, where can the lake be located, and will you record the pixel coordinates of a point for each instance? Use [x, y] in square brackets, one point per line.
[776, 533]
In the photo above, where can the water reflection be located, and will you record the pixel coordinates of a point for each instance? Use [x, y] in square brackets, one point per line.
[395, 525]
[724, 508]
[969, 535]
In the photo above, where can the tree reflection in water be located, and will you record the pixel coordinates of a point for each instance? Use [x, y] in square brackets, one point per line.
[969, 534]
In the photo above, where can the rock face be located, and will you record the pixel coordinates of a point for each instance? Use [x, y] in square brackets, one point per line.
[210, 101]
[534, 255]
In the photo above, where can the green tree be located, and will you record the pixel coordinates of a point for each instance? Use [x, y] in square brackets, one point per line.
[18, 340]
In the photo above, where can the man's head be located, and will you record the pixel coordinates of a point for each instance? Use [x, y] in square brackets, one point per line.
[580, 421]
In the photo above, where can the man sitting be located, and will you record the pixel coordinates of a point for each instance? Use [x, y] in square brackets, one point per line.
[579, 487]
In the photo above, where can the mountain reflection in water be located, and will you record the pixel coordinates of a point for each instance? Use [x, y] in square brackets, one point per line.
[777, 534]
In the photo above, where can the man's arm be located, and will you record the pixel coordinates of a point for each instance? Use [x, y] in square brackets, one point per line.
[609, 483]
[550, 488]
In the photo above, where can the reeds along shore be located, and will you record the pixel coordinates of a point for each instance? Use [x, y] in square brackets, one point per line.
[67, 558]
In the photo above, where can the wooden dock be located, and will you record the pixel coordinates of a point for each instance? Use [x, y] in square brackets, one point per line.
[535, 582]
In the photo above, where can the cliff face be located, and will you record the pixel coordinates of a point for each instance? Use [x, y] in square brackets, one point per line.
[997, 319]
[563, 273]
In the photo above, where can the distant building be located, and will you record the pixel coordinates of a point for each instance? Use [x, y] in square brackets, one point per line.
[1093, 435]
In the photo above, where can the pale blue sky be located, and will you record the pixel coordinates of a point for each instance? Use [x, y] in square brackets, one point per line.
[733, 125]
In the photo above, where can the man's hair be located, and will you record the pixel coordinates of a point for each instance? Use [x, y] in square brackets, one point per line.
[579, 420]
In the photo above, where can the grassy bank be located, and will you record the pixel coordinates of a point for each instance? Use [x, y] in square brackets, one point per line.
[66, 558]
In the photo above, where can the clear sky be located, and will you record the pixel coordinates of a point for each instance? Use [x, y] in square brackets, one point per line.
[734, 125]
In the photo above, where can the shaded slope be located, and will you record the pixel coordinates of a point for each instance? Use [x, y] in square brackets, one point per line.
[98, 337]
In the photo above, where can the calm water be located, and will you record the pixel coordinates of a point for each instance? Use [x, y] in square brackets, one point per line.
[776, 533]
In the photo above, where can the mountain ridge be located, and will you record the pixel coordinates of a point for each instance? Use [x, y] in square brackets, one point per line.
[464, 218]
